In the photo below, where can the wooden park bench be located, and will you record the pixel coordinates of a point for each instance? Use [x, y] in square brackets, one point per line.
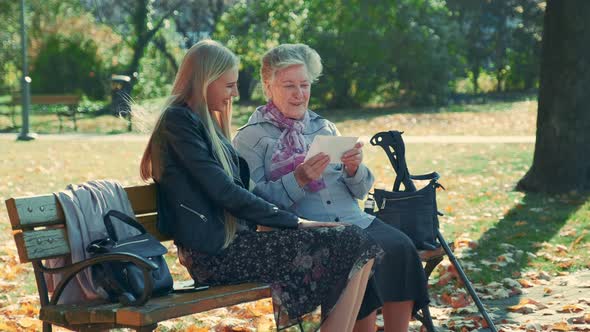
[71, 102]
[39, 233]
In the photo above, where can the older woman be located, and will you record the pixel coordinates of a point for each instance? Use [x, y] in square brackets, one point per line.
[205, 205]
[274, 142]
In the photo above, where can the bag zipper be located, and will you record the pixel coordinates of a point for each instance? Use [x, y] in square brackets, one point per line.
[396, 199]
[202, 216]
[131, 242]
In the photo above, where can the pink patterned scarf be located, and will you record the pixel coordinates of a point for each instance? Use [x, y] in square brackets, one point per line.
[291, 147]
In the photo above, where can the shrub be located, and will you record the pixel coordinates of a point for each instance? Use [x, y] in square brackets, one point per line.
[69, 65]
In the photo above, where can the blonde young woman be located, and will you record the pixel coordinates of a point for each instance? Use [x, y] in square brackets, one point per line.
[274, 142]
[205, 205]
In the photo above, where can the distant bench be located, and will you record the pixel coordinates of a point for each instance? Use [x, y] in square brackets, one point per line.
[71, 101]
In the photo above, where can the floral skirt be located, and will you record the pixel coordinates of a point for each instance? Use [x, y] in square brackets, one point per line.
[306, 268]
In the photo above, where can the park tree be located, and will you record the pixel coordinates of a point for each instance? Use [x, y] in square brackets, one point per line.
[524, 54]
[157, 29]
[250, 28]
[371, 51]
[501, 37]
[138, 23]
[198, 19]
[64, 45]
[10, 59]
[561, 159]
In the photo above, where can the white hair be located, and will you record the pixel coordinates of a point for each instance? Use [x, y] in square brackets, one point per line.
[286, 55]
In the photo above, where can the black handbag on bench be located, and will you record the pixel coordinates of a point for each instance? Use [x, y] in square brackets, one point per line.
[124, 281]
[412, 211]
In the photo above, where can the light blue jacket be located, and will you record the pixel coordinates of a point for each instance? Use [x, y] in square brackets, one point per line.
[256, 141]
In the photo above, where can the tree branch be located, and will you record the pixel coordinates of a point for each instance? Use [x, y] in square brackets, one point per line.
[158, 25]
[160, 44]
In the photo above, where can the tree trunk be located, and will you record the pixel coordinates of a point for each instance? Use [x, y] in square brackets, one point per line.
[475, 70]
[162, 46]
[561, 161]
[245, 84]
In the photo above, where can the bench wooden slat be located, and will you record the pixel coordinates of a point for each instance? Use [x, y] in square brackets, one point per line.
[90, 312]
[149, 222]
[33, 211]
[426, 255]
[29, 212]
[157, 309]
[178, 305]
[142, 198]
[41, 244]
[103, 314]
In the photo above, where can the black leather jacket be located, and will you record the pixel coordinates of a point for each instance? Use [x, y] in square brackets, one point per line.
[194, 190]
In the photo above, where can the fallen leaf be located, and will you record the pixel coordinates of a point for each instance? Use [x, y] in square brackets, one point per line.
[525, 302]
[457, 300]
[561, 326]
[565, 265]
[571, 308]
[523, 309]
[525, 283]
[576, 241]
[582, 319]
[465, 310]
[506, 258]
[193, 328]
[544, 276]
[561, 248]
[28, 323]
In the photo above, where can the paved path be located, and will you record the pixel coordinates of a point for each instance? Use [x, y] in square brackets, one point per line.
[407, 139]
[542, 307]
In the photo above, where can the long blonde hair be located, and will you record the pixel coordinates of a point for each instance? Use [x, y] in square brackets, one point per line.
[205, 62]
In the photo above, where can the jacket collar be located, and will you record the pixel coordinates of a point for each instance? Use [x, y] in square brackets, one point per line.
[257, 118]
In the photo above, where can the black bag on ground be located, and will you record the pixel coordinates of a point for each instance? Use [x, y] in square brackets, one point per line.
[412, 211]
[124, 281]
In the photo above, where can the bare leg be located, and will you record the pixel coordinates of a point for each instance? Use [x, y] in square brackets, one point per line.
[397, 315]
[360, 295]
[338, 320]
[366, 324]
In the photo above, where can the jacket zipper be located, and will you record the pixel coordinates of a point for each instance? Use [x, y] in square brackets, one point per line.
[131, 242]
[396, 199]
[202, 216]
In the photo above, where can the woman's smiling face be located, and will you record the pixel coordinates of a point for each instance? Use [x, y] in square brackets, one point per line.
[290, 90]
[222, 90]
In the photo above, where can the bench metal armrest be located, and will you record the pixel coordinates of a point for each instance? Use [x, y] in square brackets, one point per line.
[71, 271]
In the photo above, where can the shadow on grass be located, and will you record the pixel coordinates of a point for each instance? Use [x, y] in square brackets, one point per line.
[537, 219]
[10, 129]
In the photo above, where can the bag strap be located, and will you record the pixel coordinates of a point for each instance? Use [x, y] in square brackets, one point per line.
[430, 176]
[393, 144]
[108, 223]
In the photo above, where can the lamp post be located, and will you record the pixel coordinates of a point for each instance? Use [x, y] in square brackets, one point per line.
[25, 80]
